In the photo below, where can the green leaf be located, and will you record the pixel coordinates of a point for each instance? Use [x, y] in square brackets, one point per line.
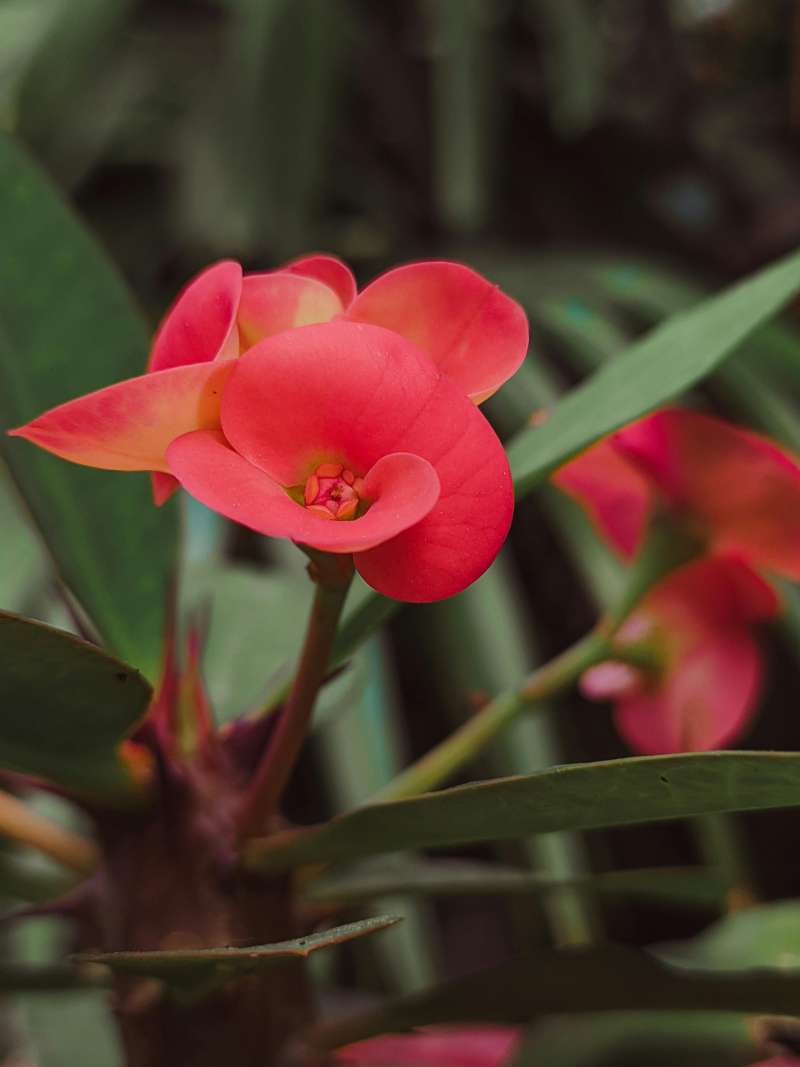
[693, 886]
[257, 619]
[203, 969]
[751, 939]
[611, 978]
[66, 707]
[631, 1039]
[74, 1029]
[664, 364]
[580, 796]
[68, 326]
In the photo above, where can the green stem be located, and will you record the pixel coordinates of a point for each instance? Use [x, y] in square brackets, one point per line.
[333, 575]
[465, 743]
[722, 847]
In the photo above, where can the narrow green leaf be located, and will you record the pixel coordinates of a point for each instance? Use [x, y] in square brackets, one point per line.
[750, 939]
[664, 364]
[610, 978]
[68, 326]
[464, 97]
[35, 978]
[66, 707]
[208, 967]
[631, 1039]
[692, 886]
[581, 796]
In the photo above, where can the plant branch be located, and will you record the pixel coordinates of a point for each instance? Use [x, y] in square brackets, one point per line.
[18, 821]
[332, 574]
[465, 743]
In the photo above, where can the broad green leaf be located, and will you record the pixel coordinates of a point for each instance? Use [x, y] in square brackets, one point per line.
[632, 1039]
[609, 978]
[658, 368]
[68, 326]
[66, 707]
[69, 1030]
[256, 623]
[750, 939]
[692, 886]
[196, 969]
[581, 796]
[23, 564]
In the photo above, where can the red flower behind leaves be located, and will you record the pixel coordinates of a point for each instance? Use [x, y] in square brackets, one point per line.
[705, 683]
[740, 493]
[465, 1046]
[354, 408]
[738, 490]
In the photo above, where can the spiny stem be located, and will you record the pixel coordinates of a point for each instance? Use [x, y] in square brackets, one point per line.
[17, 820]
[465, 743]
[332, 575]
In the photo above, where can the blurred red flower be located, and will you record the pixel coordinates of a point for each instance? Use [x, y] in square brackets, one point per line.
[702, 689]
[740, 494]
[466, 1046]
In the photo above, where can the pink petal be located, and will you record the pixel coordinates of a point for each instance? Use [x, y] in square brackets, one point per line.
[711, 679]
[743, 488]
[615, 495]
[466, 1046]
[351, 393]
[163, 486]
[328, 269]
[200, 325]
[715, 591]
[404, 488]
[475, 334]
[128, 426]
[280, 300]
[706, 700]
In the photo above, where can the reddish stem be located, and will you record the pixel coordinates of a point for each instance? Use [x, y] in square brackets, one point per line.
[332, 574]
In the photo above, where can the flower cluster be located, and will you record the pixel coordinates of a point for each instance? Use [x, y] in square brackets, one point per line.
[350, 426]
[739, 494]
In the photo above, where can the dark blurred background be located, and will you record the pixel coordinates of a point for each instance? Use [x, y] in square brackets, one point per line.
[606, 161]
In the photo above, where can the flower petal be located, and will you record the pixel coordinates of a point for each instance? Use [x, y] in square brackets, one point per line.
[475, 334]
[743, 488]
[403, 487]
[463, 1046]
[351, 393]
[328, 269]
[163, 486]
[613, 492]
[128, 426]
[705, 702]
[280, 300]
[200, 325]
[708, 690]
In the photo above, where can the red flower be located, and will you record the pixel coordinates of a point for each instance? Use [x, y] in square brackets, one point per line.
[465, 1046]
[365, 419]
[739, 490]
[703, 690]
[740, 493]
[472, 332]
